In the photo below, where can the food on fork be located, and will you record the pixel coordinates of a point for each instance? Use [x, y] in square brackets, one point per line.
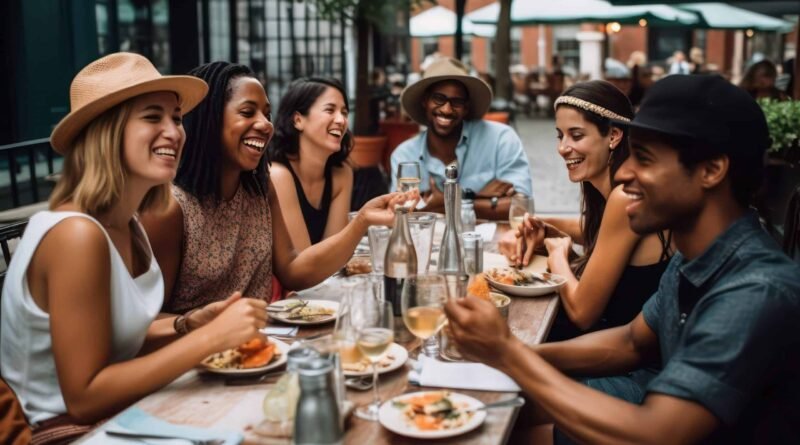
[253, 354]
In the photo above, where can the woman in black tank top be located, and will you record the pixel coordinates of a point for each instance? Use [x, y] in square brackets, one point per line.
[619, 270]
[310, 146]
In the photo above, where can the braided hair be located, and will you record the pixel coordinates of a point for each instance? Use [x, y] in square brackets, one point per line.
[199, 172]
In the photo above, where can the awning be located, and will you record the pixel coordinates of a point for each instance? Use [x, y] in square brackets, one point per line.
[724, 16]
[577, 11]
[439, 21]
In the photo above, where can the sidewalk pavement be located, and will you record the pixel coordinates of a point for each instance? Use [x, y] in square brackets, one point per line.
[552, 190]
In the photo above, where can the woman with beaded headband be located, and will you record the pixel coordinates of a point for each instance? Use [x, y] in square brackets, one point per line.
[619, 270]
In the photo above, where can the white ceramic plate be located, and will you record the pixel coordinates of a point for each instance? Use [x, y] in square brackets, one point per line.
[400, 357]
[393, 419]
[277, 361]
[324, 303]
[530, 290]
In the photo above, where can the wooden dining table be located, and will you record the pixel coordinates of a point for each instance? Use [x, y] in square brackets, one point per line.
[203, 400]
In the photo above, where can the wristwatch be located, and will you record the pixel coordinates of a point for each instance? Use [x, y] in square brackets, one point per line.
[494, 202]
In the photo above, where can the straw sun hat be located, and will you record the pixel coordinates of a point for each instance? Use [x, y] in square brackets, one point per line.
[111, 80]
[445, 68]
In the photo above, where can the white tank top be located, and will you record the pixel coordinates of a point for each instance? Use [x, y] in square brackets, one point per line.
[26, 354]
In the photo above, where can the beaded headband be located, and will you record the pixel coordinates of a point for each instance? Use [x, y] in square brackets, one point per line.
[588, 106]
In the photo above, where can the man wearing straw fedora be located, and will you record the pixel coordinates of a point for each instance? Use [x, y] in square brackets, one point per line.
[492, 163]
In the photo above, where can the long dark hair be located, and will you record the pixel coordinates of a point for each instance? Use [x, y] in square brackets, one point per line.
[300, 96]
[593, 204]
[199, 172]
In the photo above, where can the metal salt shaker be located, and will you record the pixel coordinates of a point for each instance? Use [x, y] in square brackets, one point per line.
[468, 217]
[473, 252]
[317, 421]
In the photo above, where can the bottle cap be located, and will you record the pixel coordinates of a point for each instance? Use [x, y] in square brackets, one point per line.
[451, 171]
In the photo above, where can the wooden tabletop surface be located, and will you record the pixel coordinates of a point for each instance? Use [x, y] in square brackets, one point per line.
[202, 400]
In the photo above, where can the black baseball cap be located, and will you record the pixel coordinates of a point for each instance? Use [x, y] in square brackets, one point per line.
[705, 108]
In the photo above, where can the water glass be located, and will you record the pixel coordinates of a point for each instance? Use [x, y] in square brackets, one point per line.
[378, 241]
[408, 178]
[422, 302]
[473, 252]
[421, 225]
[520, 205]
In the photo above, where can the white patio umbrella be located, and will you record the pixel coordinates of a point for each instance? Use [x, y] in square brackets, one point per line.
[724, 16]
[576, 11]
[439, 21]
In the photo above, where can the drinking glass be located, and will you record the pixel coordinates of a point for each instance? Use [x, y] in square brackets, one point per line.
[378, 241]
[351, 319]
[422, 302]
[374, 339]
[520, 205]
[422, 225]
[408, 178]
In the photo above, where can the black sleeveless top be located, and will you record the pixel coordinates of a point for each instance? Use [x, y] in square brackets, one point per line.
[316, 219]
[636, 285]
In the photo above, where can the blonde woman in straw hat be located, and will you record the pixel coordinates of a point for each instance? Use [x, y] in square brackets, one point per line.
[83, 290]
[492, 163]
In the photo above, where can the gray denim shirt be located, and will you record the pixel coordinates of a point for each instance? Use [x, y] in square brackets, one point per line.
[731, 341]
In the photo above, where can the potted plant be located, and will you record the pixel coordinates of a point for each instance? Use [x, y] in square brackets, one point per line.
[782, 172]
[783, 121]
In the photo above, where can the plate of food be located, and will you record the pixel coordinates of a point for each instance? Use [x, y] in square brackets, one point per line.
[520, 283]
[253, 357]
[303, 312]
[431, 414]
[355, 364]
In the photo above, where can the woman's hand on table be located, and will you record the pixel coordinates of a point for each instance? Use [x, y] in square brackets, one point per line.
[239, 321]
[470, 319]
[530, 235]
[380, 211]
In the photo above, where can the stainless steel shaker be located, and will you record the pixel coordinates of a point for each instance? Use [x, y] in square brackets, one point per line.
[317, 421]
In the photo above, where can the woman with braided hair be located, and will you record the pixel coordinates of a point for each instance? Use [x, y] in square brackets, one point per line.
[619, 269]
[223, 230]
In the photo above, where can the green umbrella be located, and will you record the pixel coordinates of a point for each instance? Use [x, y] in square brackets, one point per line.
[577, 11]
[724, 16]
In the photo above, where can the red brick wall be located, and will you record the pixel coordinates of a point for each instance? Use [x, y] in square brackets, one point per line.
[719, 49]
[629, 39]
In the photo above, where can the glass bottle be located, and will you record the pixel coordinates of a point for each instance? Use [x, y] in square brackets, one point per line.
[399, 264]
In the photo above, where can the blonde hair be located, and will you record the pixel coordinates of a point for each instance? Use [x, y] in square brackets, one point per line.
[93, 176]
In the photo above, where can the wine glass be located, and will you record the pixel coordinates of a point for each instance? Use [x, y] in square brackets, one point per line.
[422, 302]
[408, 178]
[520, 205]
[374, 338]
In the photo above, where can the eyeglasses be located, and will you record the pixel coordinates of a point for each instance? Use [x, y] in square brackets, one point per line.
[458, 103]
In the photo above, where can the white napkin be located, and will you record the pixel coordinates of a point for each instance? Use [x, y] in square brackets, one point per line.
[288, 331]
[460, 375]
[486, 230]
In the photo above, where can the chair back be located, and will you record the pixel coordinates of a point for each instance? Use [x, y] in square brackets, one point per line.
[9, 232]
[791, 226]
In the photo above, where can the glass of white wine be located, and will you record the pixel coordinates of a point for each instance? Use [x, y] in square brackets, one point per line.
[374, 338]
[520, 205]
[422, 302]
[408, 178]
[351, 319]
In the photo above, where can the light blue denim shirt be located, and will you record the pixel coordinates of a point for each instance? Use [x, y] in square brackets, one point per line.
[486, 150]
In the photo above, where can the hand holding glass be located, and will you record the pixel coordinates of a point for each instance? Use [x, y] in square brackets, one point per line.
[408, 178]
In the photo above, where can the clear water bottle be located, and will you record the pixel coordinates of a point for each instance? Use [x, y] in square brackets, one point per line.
[317, 421]
[468, 217]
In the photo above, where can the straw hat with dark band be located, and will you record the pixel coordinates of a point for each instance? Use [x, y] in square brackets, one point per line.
[111, 80]
[480, 95]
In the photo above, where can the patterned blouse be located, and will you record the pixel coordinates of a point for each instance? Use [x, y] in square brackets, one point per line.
[226, 247]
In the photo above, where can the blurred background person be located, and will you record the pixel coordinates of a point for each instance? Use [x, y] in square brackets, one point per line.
[759, 81]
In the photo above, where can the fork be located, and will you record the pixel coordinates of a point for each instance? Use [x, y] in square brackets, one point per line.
[144, 436]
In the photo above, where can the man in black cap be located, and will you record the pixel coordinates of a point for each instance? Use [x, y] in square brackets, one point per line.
[724, 319]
